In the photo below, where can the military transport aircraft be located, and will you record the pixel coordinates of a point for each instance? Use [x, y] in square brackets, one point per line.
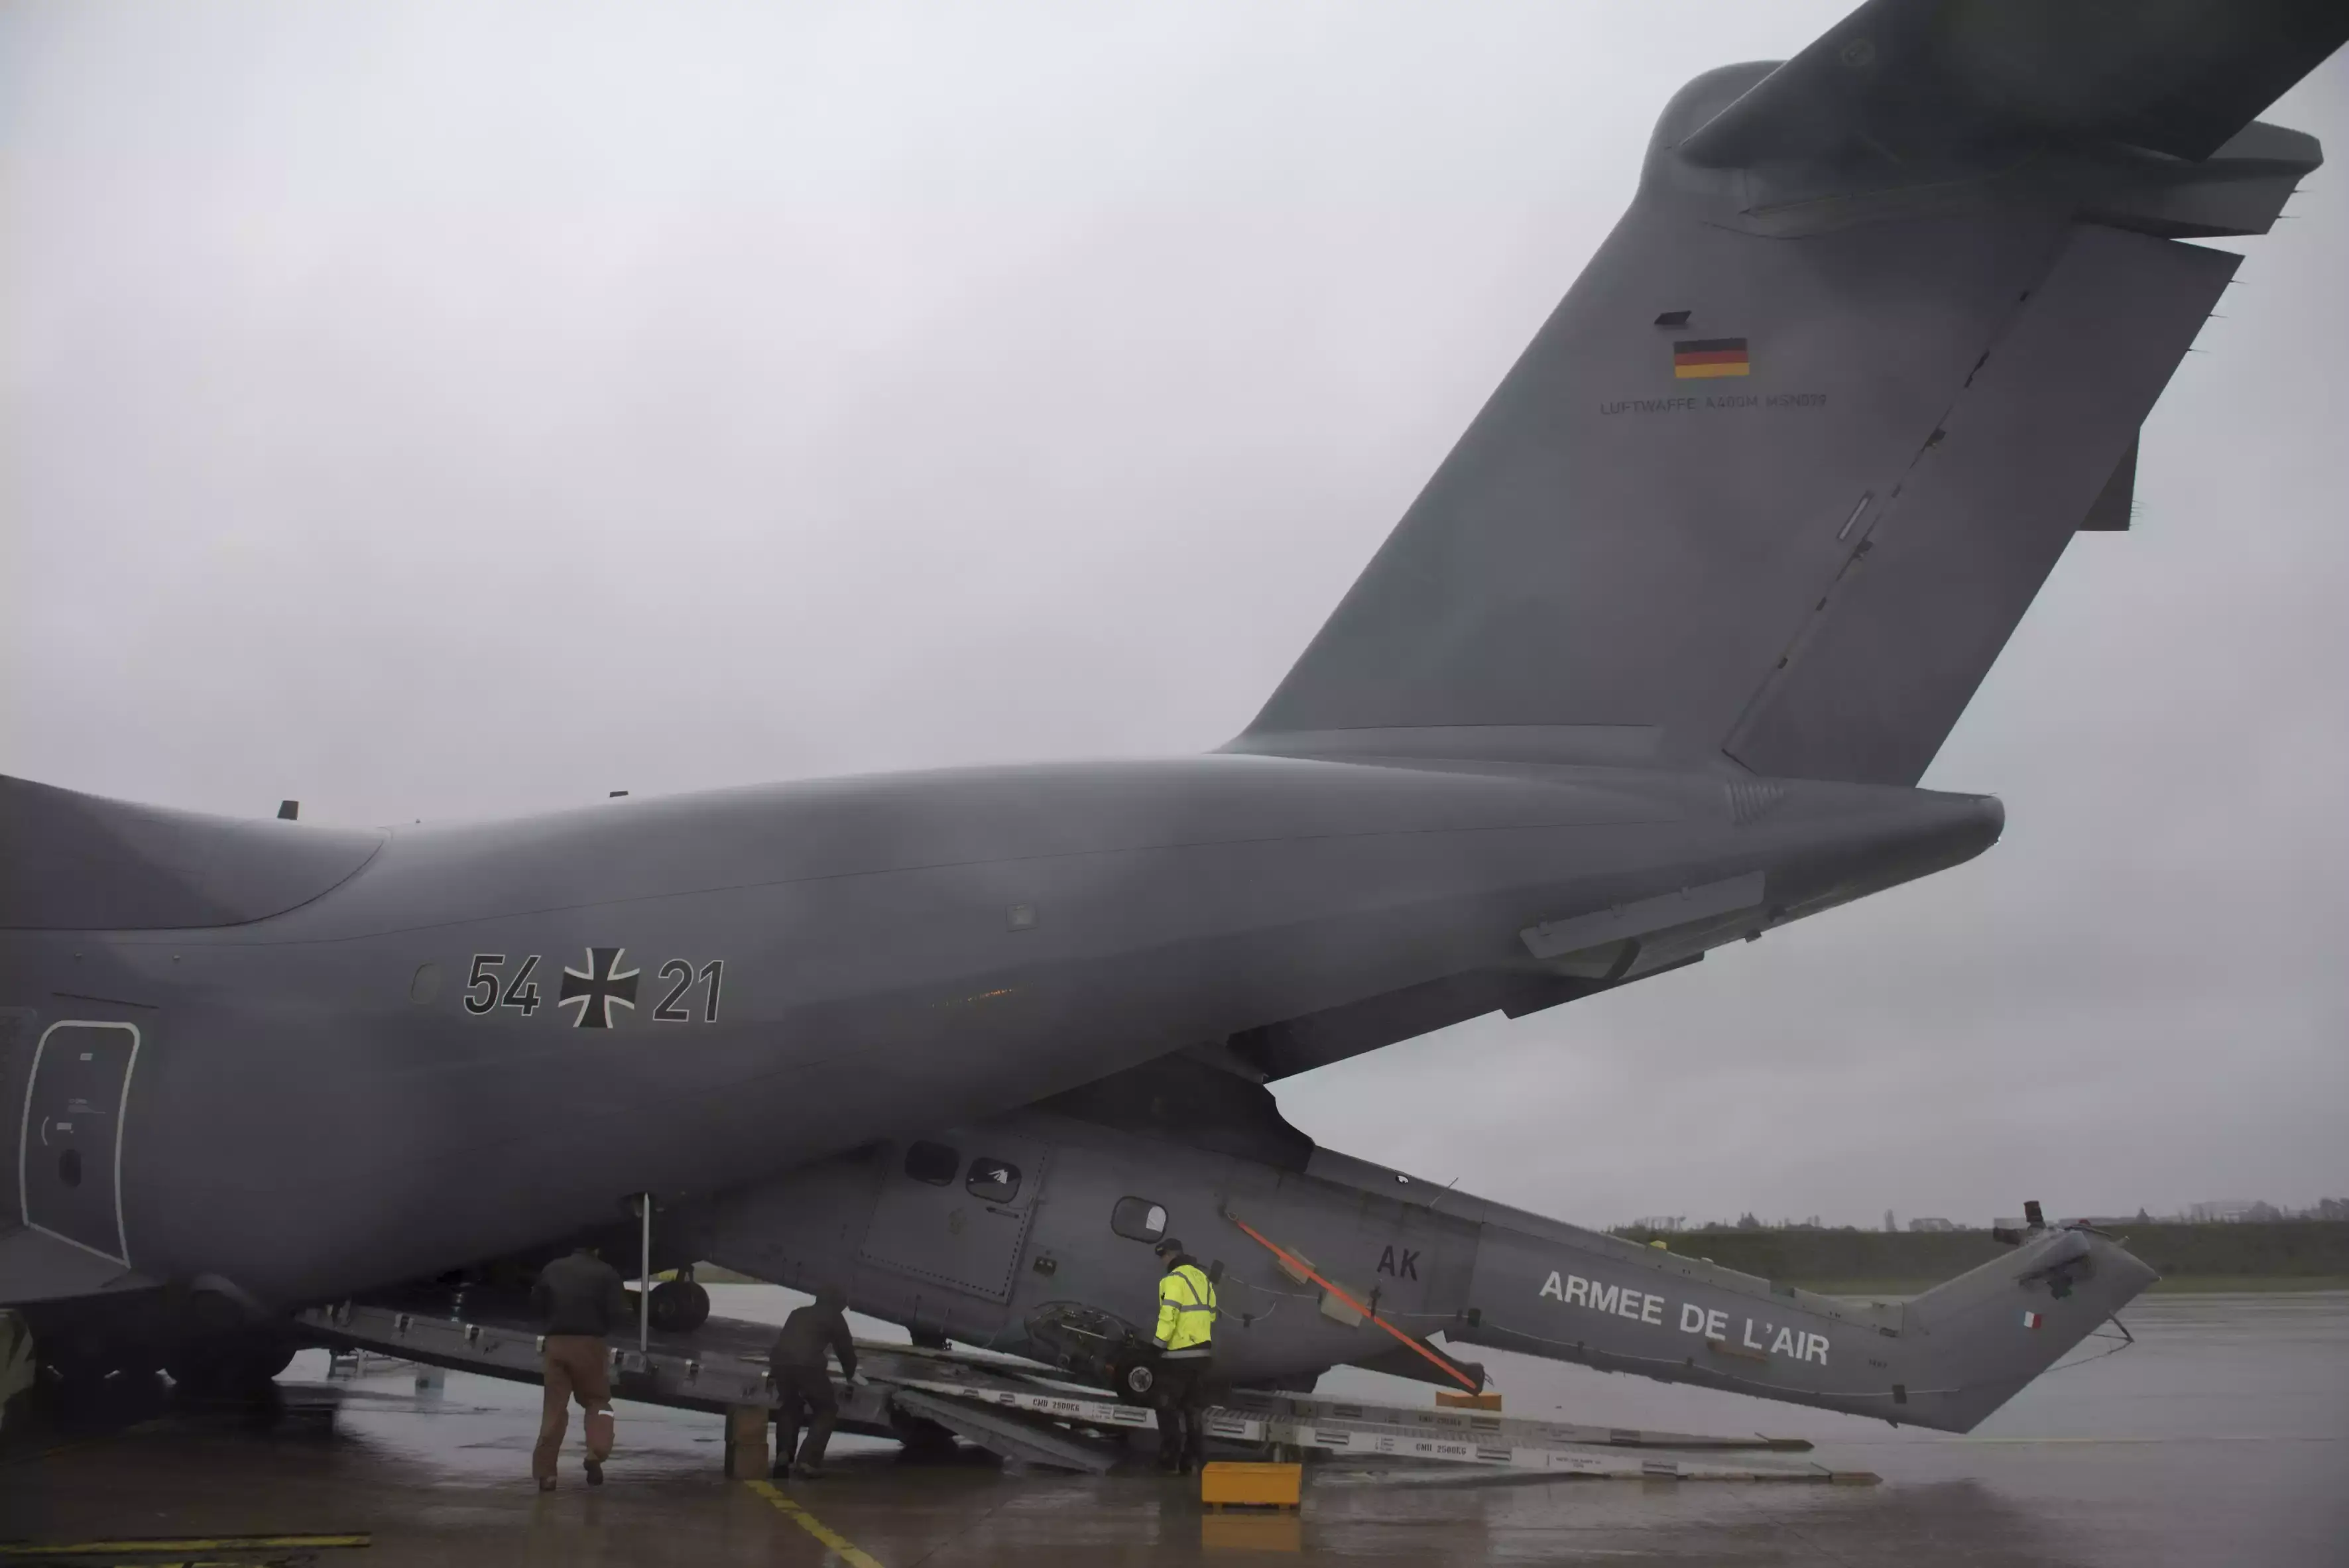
[1652, 665]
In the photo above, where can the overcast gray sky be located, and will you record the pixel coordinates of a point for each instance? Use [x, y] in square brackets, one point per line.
[435, 411]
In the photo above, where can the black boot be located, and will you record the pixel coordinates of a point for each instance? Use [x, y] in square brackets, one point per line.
[1170, 1439]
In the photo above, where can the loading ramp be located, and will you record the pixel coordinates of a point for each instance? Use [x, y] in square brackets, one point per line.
[1028, 1413]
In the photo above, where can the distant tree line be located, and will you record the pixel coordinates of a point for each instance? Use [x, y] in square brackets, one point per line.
[2213, 1213]
[2279, 1251]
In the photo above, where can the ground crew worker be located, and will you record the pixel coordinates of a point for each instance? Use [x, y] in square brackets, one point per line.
[581, 1299]
[801, 1382]
[1185, 1336]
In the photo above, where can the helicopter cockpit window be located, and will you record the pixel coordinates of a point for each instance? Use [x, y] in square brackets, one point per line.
[932, 1162]
[1138, 1219]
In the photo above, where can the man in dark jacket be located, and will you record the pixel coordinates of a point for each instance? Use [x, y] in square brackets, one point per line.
[801, 1381]
[582, 1300]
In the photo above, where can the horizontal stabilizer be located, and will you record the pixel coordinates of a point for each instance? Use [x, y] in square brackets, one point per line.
[1903, 80]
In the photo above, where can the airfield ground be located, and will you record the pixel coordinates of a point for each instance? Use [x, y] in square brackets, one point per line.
[2222, 1436]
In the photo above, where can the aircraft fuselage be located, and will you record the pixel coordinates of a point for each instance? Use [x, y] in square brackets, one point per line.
[490, 1036]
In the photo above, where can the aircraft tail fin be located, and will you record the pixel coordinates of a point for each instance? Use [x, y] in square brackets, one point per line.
[1977, 1339]
[1785, 469]
[1945, 1359]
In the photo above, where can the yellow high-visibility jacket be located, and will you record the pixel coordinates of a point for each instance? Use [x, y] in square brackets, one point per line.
[1186, 1311]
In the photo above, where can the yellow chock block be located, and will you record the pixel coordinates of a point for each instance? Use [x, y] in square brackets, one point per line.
[746, 1442]
[1225, 1484]
[1449, 1402]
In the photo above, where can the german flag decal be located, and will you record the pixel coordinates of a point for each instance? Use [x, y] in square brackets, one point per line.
[1710, 357]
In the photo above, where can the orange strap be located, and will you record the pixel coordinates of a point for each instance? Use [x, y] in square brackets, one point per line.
[1301, 1266]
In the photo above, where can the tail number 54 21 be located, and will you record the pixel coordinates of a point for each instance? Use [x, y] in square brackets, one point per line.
[689, 993]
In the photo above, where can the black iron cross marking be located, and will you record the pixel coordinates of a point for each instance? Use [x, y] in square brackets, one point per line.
[604, 986]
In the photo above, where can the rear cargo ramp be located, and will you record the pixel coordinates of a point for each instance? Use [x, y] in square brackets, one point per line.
[1024, 1413]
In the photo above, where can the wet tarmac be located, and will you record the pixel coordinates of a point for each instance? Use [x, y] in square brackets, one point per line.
[2221, 1438]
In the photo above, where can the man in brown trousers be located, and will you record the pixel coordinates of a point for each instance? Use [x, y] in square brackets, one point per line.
[581, 1299]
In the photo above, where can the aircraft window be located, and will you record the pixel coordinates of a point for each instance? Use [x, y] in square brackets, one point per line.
[997, 1181]
[932, 1162]
[1139, 1219]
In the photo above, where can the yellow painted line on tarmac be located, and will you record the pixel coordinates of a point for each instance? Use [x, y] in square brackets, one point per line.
[158, 1545]
[850, 1553]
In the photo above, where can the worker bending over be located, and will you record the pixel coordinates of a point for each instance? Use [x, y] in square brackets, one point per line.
[801, 1383]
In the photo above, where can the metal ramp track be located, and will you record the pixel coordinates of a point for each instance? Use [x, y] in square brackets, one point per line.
[1407, 1432]
[1010, 1436]
[1023, 1411]
[1490, 1427]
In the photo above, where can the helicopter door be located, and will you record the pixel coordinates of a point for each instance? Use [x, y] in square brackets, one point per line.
[955, 1209]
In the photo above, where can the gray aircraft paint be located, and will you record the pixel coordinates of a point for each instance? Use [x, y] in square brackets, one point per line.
[1810, 565]
[1515, 722]
[876, 977]
[1431, 1261]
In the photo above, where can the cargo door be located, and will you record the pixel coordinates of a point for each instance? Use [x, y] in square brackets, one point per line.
[70, 1161]
[955, 1209]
